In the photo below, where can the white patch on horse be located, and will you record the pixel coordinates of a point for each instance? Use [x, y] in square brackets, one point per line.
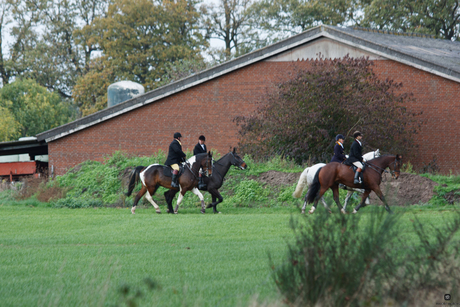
[142, 176]
[150, 199]
[198, 193]
[191, 161]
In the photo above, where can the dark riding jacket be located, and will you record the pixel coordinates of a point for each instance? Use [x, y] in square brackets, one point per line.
[199, 149]
[356, 152]
[339, 156]
[175, 154]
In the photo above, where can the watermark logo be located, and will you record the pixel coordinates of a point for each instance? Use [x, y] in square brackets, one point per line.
[447, 297]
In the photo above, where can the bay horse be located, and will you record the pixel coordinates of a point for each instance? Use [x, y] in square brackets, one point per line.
[152, 177]
[219, 170]
[334, 173]
[308, 175]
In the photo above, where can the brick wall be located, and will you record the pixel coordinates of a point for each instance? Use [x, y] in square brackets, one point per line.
[210, 108]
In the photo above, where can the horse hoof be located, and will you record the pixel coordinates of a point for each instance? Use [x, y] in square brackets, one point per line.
[175, 212]
[303, 212]
[330, 212]
[158, 211]
[133, 210]
[203, 211]
[310, 212]
[354, 211]
[343, 211]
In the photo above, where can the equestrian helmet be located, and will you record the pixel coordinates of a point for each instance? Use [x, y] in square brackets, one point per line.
[339, 136]
[177, 135]
[356, 134]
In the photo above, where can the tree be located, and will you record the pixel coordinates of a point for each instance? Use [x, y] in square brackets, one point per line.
[9, 127]
[301, 118]
[140, 37]
[440, 18]
[63, 51]
[17, 20]
[33, 107]
[283, 18]
[139, 41]
[231, 21]
[90, 92]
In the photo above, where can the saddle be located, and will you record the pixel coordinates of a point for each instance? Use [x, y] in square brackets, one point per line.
[167, 170]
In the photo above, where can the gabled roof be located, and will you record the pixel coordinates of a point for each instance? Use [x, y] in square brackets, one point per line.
[437, 56]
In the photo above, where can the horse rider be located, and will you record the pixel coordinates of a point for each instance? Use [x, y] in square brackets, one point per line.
[175, 156]
[356, 155]
[339, 156]
[200, 148]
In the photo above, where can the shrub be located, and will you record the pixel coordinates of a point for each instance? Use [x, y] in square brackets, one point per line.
[338, 260]
[301, 118]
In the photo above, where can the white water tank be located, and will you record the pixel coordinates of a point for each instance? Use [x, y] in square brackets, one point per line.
[122, 91]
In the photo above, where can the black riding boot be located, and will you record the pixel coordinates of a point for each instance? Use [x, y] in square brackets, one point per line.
[356, 180]
[201, 184]
[174, 183]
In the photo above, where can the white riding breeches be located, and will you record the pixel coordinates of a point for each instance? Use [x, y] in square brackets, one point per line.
[358, 164]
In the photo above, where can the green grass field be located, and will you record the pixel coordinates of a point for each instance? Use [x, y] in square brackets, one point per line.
[82, 257]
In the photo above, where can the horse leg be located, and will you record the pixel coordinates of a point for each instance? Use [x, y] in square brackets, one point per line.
[150, 199]
[325, 205]
[138, 197]
[304, 206]
[335, 195]
[362, 203]
[200, 196]
[382, 198]
[216, 199]
[169, 196]
[179, 200]
[318, 197]
[347, 198]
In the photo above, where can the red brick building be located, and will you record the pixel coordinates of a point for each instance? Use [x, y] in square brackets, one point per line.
[207, 103]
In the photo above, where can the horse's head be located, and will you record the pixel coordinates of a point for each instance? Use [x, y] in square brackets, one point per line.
[206, 164]
[237, 161]
[395, 167]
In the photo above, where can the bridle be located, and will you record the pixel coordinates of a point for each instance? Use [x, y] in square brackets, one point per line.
[234, 162]
[205, 168]
[382, 170]
[393, 172]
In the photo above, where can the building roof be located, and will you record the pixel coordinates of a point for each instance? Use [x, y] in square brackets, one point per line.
[437, 56]
[30, 146]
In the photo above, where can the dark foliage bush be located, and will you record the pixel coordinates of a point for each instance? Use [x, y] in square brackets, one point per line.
[339, 260]
[301, 118]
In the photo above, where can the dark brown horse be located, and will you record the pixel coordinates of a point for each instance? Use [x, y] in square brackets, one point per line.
[153, 176]
[220, 169]
[334, 173]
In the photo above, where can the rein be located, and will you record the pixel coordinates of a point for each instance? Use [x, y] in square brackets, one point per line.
[382, 170]
[191, 171]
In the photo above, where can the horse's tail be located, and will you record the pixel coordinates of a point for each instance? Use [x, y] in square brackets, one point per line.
[301, 184]
[134, 179]
[314, 188]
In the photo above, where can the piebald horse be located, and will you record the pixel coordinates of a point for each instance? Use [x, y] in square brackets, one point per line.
[334, 173]
[152, 177]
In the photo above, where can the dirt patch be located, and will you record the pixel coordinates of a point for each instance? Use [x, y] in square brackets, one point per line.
[276, 178]
[408, 189]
